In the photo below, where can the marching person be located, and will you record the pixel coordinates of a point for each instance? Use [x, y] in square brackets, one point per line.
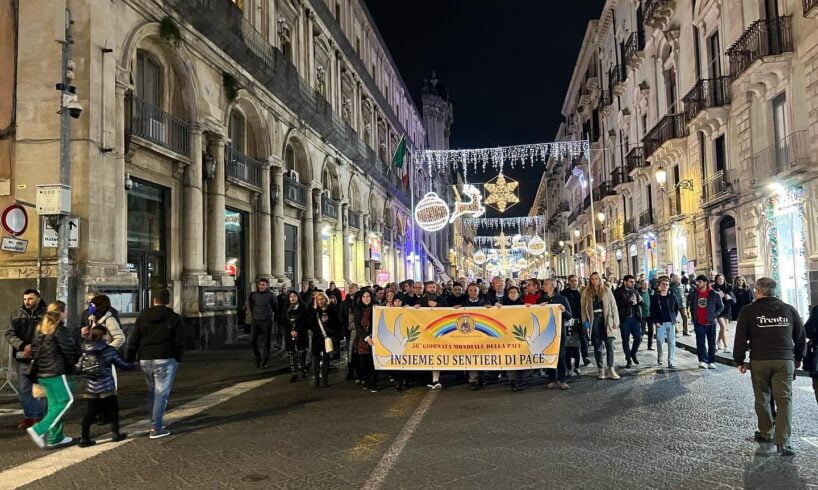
[677, 290]
[556, 377]
[705, 305]
[629, 303]
[811, 328]
[664, 308]
[600, 315]
[645, 292]
[363, 326]
[262, 304]
[574, 297]
[20, 335]
[346, 311]
[533, 295]
[53, 354]
[323, 323]
[773, 333]
[295, 334]
[158, 341]
[473, 300]
[743, 294]
[456, 297]
[497, 291]
[725, 291]
[332, 290]
[431, 298]
[512, 297]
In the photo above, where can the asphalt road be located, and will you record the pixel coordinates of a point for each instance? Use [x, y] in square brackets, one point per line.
[654, 428]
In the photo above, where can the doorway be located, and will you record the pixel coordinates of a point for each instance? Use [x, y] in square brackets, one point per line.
[147, 239]
[291, 255]
[729, 248]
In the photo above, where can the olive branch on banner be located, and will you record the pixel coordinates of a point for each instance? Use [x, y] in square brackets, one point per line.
[412, 333]
[520, 332]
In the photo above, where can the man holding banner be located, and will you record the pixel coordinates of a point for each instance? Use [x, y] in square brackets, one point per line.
[550, 296]
[467, 339]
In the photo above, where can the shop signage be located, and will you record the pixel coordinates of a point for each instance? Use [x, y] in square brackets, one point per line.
[375, 249]
[691, 267]
[383, 278]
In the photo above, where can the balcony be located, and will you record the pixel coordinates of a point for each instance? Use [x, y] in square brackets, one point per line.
[620, 176]
[634, 48]
[242, 168]
[605, 189]
[706, 94]
[764, 37]
[616, 79]
[329, 207]
[160, 128]
[564, 208]
[784, 157]
[574, 216]
[223, 24]
[295, 193]
[355, 220]
[615, 233]
[809, 8]
[716, 188]
[635, 159]
[658, 13]
[646, 219]
[630, 227]
[670, 127]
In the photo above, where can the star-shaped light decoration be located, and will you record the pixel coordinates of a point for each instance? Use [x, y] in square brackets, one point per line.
[502, 193]
[502, 241]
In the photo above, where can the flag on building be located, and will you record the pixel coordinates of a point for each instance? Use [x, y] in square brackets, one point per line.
[400, 153]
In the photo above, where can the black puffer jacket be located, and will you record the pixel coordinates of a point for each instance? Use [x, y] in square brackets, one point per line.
[23, 327]
[329, 319]
[109, 356]
[54, 354]
[295, 319]
[159, 333]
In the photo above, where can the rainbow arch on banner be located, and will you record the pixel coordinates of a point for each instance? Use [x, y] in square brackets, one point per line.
[482, 323]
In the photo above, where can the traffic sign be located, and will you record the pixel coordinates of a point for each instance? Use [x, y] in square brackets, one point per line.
[51, 237]
[14, 220]
[13, 245]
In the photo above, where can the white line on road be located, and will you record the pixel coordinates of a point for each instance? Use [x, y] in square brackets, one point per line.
[9, 411]
[61, 459]
[811, 440]
[389, 459]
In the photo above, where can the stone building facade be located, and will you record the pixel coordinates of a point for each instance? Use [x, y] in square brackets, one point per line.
[221, 141]
[703, 122]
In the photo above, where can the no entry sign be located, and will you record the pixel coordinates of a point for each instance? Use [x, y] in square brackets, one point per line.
[14, 220]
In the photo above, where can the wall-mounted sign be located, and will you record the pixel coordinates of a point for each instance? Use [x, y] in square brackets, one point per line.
[14, 220]
[13, 245]
[51, 238]
[375, 249]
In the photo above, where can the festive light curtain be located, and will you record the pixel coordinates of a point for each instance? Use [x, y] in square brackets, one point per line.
[442, 160]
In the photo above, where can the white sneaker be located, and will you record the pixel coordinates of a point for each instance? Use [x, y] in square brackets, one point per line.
[703, 365]
[38, 440]
[601, 374]
[437, 386]
[726, 351]
[711, 366]
[612, 373]
[569, 373]
[65, 441]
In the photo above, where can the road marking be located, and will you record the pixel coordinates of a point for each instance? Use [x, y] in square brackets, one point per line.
[10, 411]
[367, 446]
[811, 440]
[806, 388]
[389, 459]
[59, 460]
[404, 404]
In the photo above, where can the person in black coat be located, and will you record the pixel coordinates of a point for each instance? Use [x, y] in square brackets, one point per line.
[664, 308]
[725, 291]
[743, 294]
[550, 296]
[811, 328]
[295, 335]
[512, 297]
[323, 322]
[363, 331]
[572, 294]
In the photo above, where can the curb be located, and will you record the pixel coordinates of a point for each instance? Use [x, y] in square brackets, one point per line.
[729, 361]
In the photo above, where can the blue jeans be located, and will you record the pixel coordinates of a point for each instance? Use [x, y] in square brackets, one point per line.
[666, 331]
[709, 332]
[33, 408]
[159, 373]
[631, 327]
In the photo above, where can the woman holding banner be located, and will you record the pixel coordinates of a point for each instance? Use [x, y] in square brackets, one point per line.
[600, 315]
[363, 328]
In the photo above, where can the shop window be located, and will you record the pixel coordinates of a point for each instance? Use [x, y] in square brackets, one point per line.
[235, 263]
[147, 218]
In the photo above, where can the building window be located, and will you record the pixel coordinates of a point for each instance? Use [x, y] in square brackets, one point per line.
[147, 215]
[289, 157]
[720, 153]
[148, 79]
[235, 264]
[714, 55]
[236, 131]
[338, 12]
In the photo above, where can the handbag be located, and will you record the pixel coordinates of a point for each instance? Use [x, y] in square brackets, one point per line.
[329, 348]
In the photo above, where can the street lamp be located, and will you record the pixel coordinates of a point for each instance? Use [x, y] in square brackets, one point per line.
[600, 216]
[576, 233]
[661, 176]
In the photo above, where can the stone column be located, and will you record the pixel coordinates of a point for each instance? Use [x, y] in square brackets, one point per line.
[193, 223]
[215, 211]
[121, 197]
[264, 249]
[346, 248]
[278, 221]
[307, 239]
[365, 227]
[318, 236]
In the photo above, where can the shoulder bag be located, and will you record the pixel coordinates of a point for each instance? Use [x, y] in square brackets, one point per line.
[328, 347]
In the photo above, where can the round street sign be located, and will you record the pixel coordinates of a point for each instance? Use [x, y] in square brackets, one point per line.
[14, 220]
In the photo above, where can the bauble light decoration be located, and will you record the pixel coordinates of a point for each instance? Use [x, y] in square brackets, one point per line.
[432, 213]
[522, 263]
[536, 246]
[517, 243]
[479, 257]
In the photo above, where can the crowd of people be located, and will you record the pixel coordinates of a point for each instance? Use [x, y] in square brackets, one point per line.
[318, 328]
[49, 357]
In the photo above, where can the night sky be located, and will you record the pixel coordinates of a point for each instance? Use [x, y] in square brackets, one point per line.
[506, 64]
